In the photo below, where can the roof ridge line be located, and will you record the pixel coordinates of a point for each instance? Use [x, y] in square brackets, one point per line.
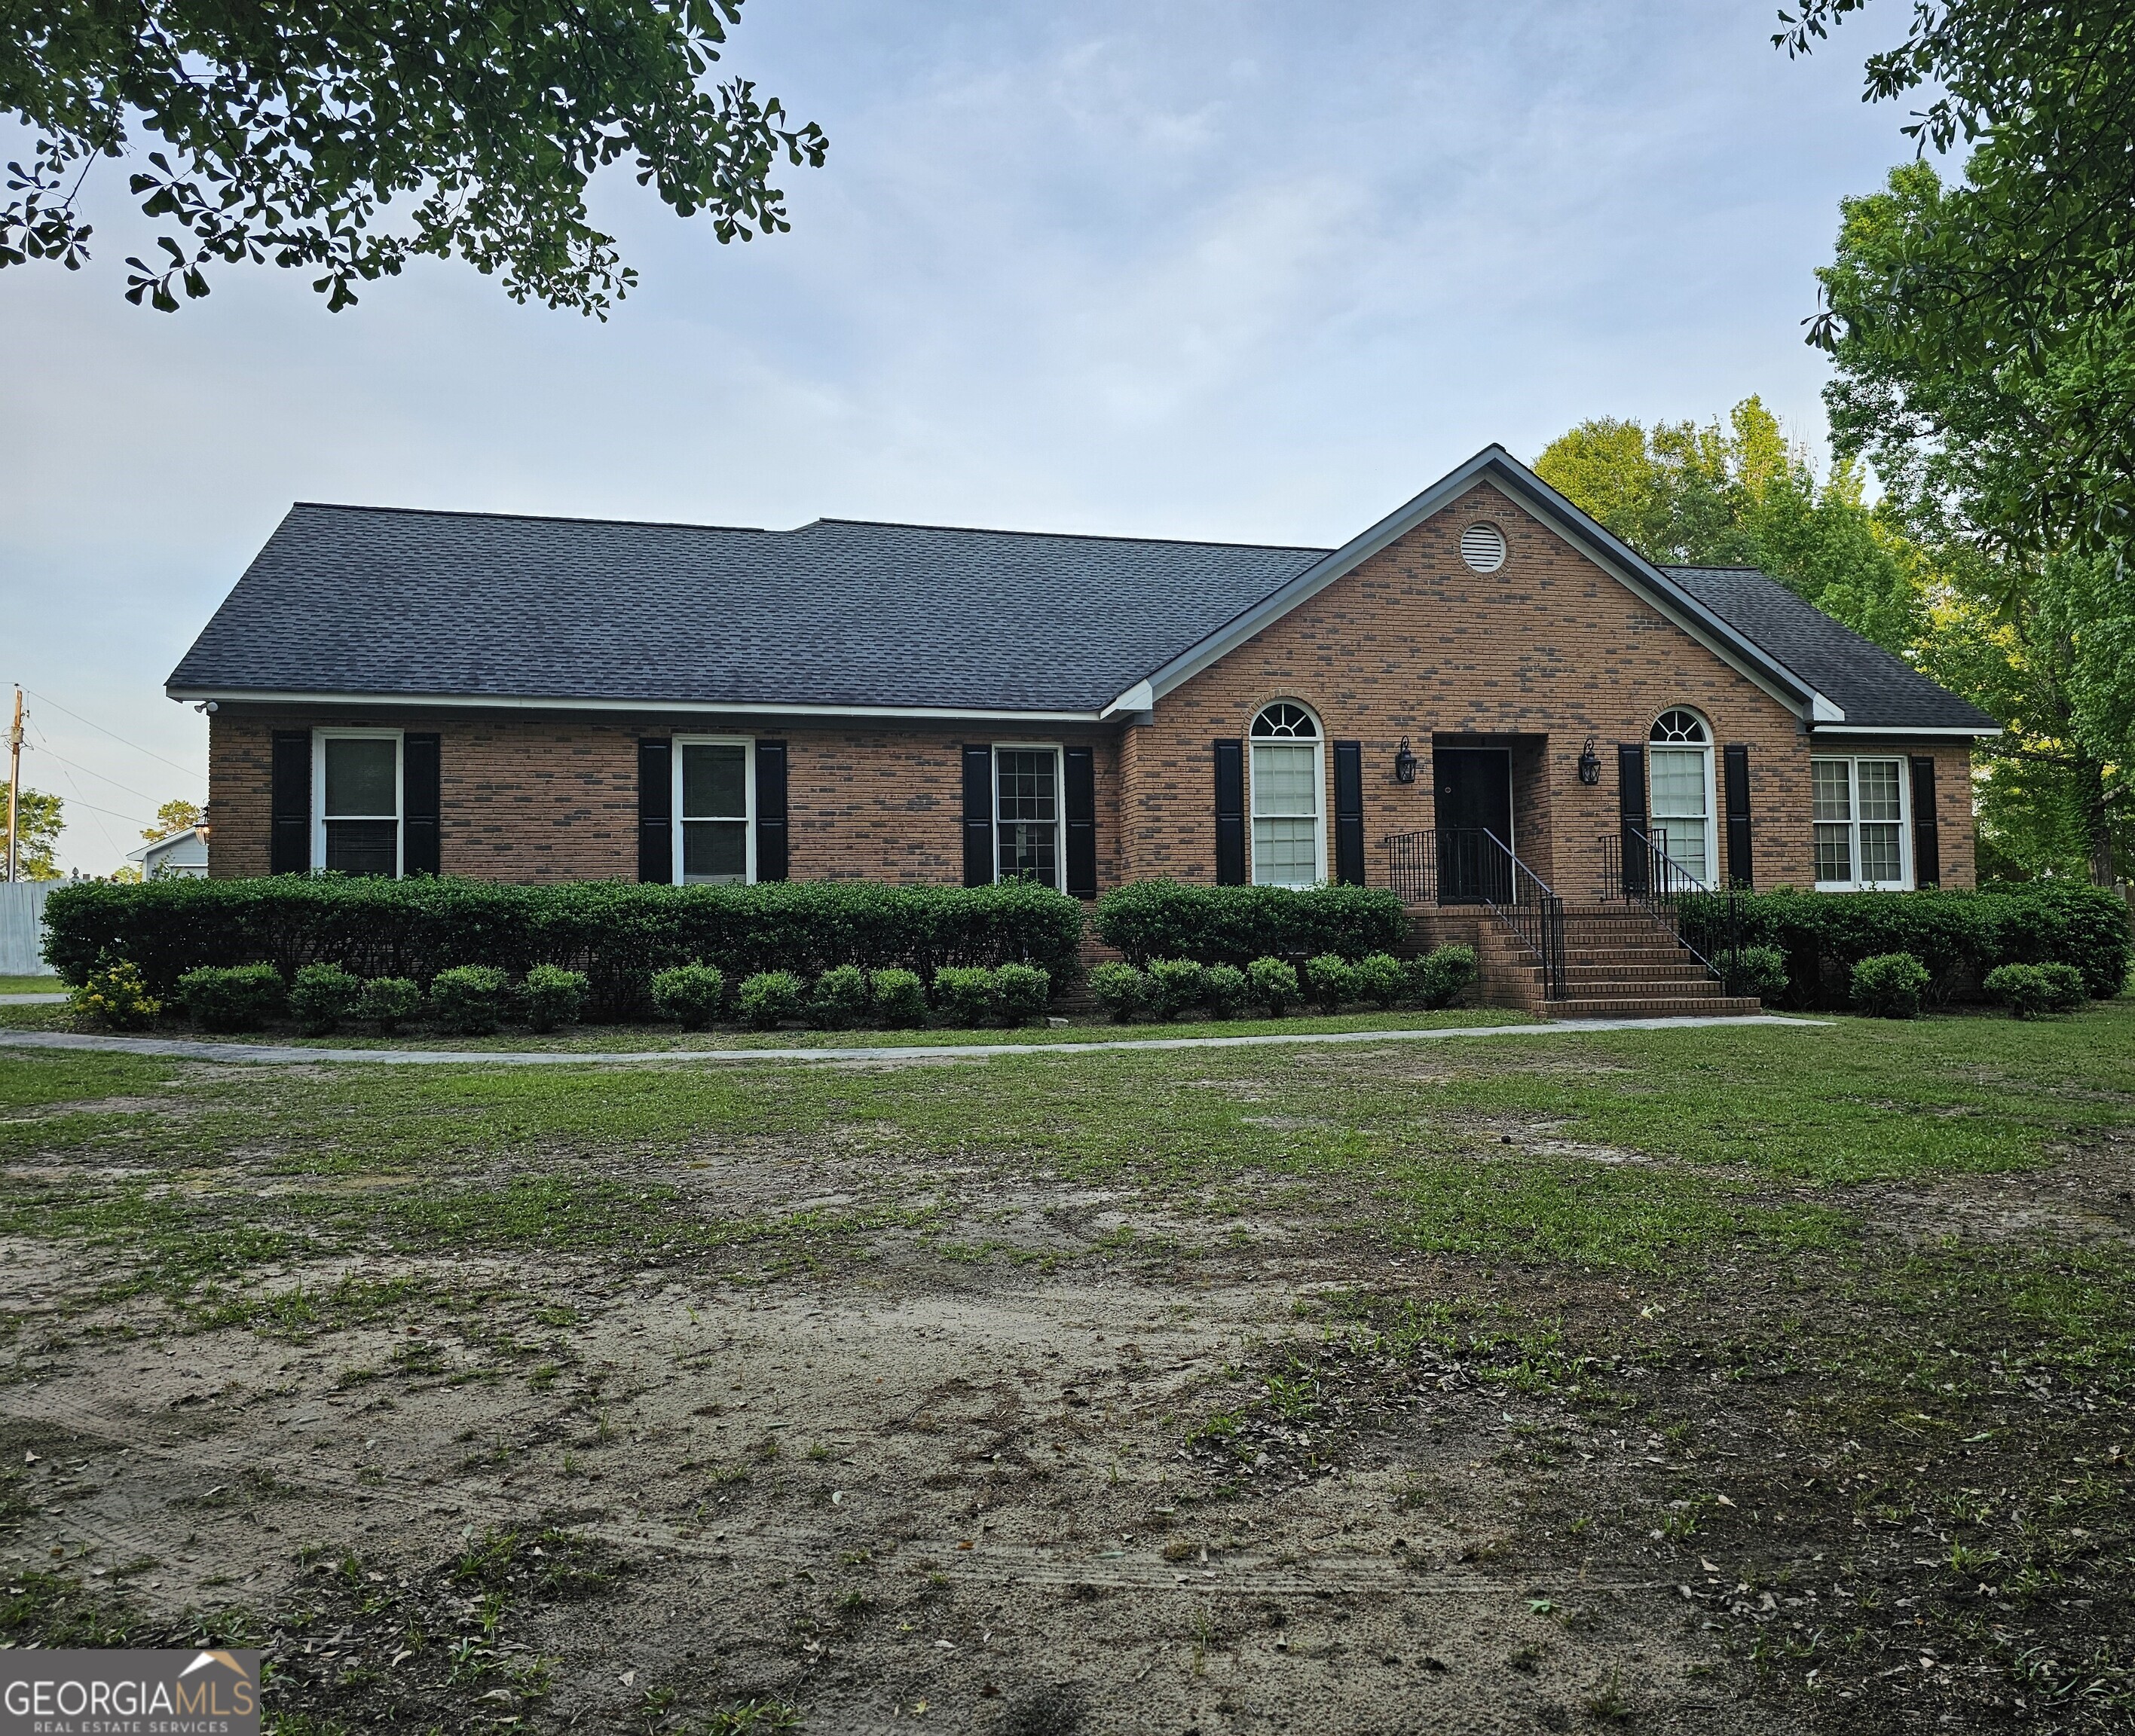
[1082, 536]
[532, 518]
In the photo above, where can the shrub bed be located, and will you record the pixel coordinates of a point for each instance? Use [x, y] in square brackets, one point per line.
[1170, 987]
[1235, 924]
[616, 935]
[1959, 938]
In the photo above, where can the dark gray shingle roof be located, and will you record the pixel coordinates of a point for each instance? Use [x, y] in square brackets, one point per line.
[839, 612]
[376, 601]
[1874, 688]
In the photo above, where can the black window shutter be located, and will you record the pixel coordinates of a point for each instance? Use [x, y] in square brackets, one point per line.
[978, 813]
[289, 823]
[656, 812]
[1079, 773]
[1735, 768]
[1231, 813]
[1631, 804]
[1349, 814]
[1927, 835]
[771, 857]
[421, 800]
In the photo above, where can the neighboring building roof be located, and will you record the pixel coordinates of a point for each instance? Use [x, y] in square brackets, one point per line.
[371, 600]
[182, 843]
[380, 603]
[1874, 688]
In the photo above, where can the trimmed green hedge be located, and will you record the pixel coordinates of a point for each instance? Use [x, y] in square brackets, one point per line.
[618, 935]
[1235, 924]
[1957, 936]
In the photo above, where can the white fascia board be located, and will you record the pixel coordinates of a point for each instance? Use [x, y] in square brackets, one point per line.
[1140, 697]
[1897, 731]
[733, 708]
[1614, 557]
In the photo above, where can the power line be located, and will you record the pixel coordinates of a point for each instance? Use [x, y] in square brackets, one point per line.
[115, 735]
[45, 748]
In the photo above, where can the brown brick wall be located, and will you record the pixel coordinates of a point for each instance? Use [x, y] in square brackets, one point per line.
[1542, 654]
[1549, 649]
[535, 797]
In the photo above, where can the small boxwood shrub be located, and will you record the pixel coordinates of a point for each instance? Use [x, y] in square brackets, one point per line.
[1332, 979]
[1381, 978]
[690, 995]
[966, 994]
[899, 998]
[323, 996]
[389, 1001]
[1234, 924]
[772, 998]
[1121, 990]
[1174, 984]
[468, 999]
[1224, 990]
[1889, 985]
[1021, 992]
[1273, 983]
[1441, 977]
[116, 998]
[1758, 970]
[553, 996]
[232, 997]
[2029, 990]
[841, 998]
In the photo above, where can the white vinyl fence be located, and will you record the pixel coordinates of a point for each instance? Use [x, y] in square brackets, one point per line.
[22, 927]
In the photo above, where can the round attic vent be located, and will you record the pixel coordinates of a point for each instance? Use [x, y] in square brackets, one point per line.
[1483, 546]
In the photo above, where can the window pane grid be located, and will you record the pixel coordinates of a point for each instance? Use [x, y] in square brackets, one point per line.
[1857, 808]
[1027, 815]
[1286, 798]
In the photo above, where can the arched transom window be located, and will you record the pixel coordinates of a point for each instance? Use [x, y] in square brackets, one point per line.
[1289, 831]
[1680, 762]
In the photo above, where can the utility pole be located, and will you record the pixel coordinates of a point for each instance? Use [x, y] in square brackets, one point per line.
[14, 785]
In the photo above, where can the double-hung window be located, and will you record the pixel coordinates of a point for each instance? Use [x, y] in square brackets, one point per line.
[715, 811]
[1027, 815]
[1858, 811]
[356, 820]
[1289, 836]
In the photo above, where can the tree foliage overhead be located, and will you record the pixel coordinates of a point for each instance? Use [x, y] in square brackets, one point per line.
[283, 130]
[2022, 274]
[1741, 496]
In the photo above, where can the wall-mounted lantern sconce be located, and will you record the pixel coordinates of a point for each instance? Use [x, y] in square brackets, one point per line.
[1405, 763]
[200, 825]
[1589, 763]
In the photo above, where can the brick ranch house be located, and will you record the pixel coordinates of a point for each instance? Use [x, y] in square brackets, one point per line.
[1484, 699]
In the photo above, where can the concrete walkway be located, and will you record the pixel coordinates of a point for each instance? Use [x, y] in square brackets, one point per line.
[181, 1048]
[31, 1000]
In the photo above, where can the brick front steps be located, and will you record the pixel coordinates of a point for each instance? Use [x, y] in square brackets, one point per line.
[1618, 963]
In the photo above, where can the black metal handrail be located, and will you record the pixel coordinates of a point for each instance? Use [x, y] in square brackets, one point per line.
[1637, 868]
[1472, 865]
[1534, 913]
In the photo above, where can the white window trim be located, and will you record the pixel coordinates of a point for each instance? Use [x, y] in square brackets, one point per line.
[748, 744]
[320, 737]
[1714, 825]
[1852, 761]
[1060, 803]
[1319, 792]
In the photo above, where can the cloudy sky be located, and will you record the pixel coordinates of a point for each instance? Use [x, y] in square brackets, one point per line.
[1238, 270]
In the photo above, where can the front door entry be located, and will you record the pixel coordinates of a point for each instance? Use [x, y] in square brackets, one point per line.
[1474, 800]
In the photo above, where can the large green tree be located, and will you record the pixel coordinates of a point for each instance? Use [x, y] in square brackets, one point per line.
[42, 822]
[2020, 275]
[281, 131]
[2035, 614]
[1742, 494]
